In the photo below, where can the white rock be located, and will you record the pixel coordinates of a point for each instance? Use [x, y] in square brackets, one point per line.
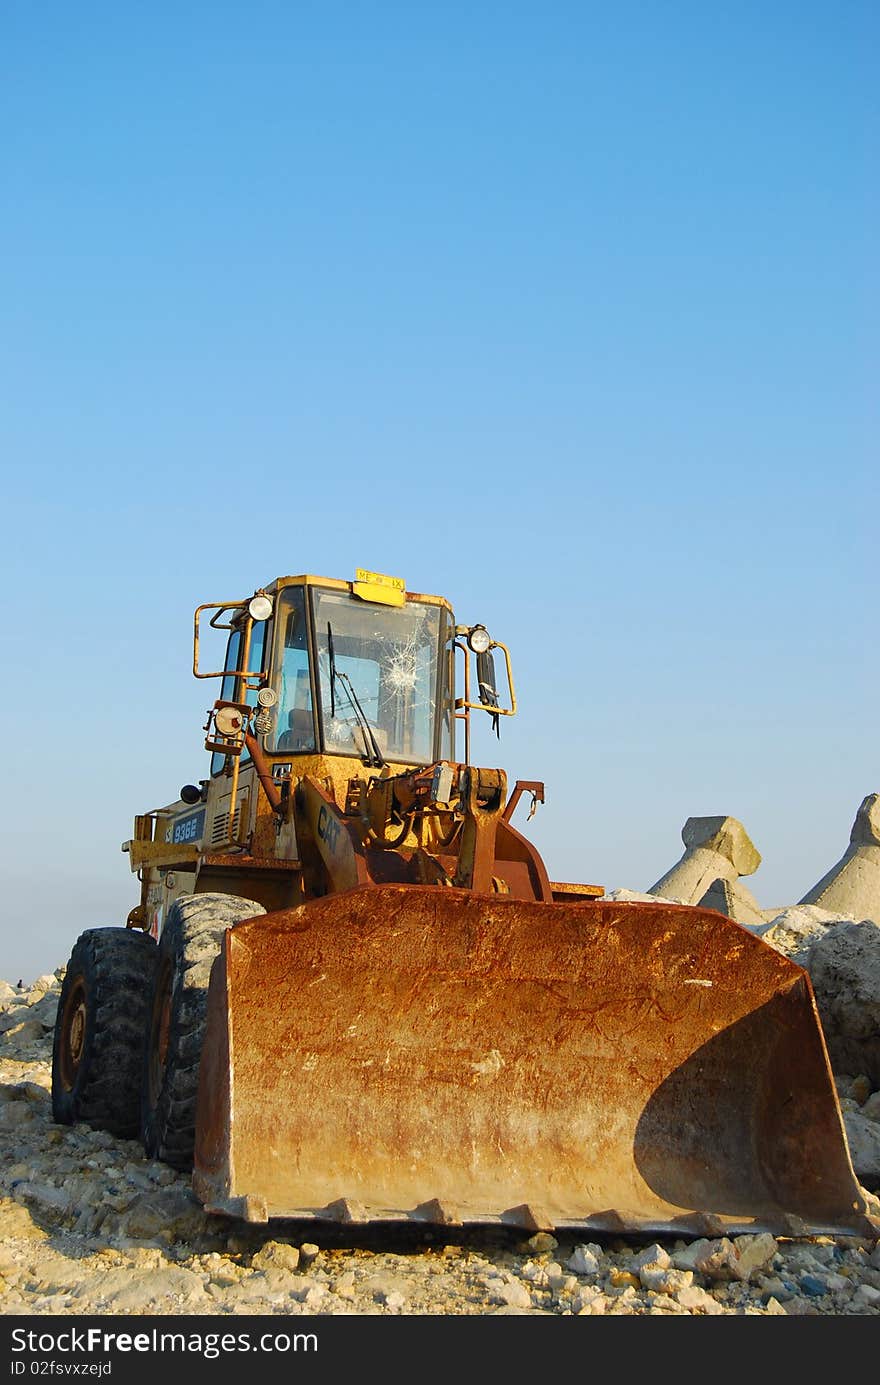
[639, 897]
[863, 1138]
[654, 1255]
[665, 1280]
[774, 1309]
[589, 1303]
[837, 1283]
[277, 1255]
[753, 1253]
[306, 1291]
[510, 1292]
[686, 1257]
[585, 1259]
[381, 1287]
[43, 983]
[793, 930]
[696, 1299]
[719, 1260]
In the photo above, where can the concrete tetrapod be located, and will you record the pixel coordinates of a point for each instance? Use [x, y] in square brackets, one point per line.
[852, 887]
[718, 850]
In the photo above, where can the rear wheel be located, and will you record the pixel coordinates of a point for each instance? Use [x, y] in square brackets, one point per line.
[100, 1028]
[177, 1010]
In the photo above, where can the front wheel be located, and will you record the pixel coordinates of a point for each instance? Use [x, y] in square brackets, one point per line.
[100, 1028]
[177, 1011]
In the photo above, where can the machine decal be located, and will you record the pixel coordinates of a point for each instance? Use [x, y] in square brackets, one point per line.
[188, 829]
[328, 828]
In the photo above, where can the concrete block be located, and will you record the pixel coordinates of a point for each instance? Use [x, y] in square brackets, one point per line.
[734, 900]
[851, 889]
[718, 850]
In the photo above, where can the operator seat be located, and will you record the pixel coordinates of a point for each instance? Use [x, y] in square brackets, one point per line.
[300, 734]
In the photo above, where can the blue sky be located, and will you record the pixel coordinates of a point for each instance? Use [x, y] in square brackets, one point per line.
[566, 311]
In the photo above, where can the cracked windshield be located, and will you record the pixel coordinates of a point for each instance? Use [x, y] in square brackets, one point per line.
[385, 659]
[385, 684]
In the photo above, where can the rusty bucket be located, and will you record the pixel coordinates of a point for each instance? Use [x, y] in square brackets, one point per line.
[417, 1052]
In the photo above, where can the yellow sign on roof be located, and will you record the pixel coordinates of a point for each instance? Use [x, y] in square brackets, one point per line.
[377, 586]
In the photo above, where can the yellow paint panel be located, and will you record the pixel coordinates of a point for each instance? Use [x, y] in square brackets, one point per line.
[160, 853]
[376, 586]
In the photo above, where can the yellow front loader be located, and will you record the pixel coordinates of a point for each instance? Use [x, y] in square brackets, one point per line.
[350, 990]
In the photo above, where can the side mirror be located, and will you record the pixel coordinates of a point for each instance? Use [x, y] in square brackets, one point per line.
[480, 644]
[488, 685]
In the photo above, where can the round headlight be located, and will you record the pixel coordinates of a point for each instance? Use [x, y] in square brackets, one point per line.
[260, 607]
[228, 721]
[267, 697]
[479, 639]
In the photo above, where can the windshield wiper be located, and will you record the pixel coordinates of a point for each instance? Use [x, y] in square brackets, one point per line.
[375, 759]
[333, 674]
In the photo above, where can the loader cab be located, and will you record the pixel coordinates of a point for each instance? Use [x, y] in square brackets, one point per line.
[371, 679]
[361, 678]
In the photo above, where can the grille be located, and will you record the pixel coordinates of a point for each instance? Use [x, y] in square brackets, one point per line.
[220, 827]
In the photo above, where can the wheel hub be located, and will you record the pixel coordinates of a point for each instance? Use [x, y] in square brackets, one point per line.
[73, 1036]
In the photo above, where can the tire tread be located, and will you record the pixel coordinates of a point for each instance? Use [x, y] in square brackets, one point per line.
[192, 939]
[116, 965]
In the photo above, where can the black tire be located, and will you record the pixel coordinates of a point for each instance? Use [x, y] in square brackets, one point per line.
[100, 1030]
[177, 1010]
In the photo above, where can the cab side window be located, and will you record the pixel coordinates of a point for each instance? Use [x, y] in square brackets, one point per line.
[295, 722]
